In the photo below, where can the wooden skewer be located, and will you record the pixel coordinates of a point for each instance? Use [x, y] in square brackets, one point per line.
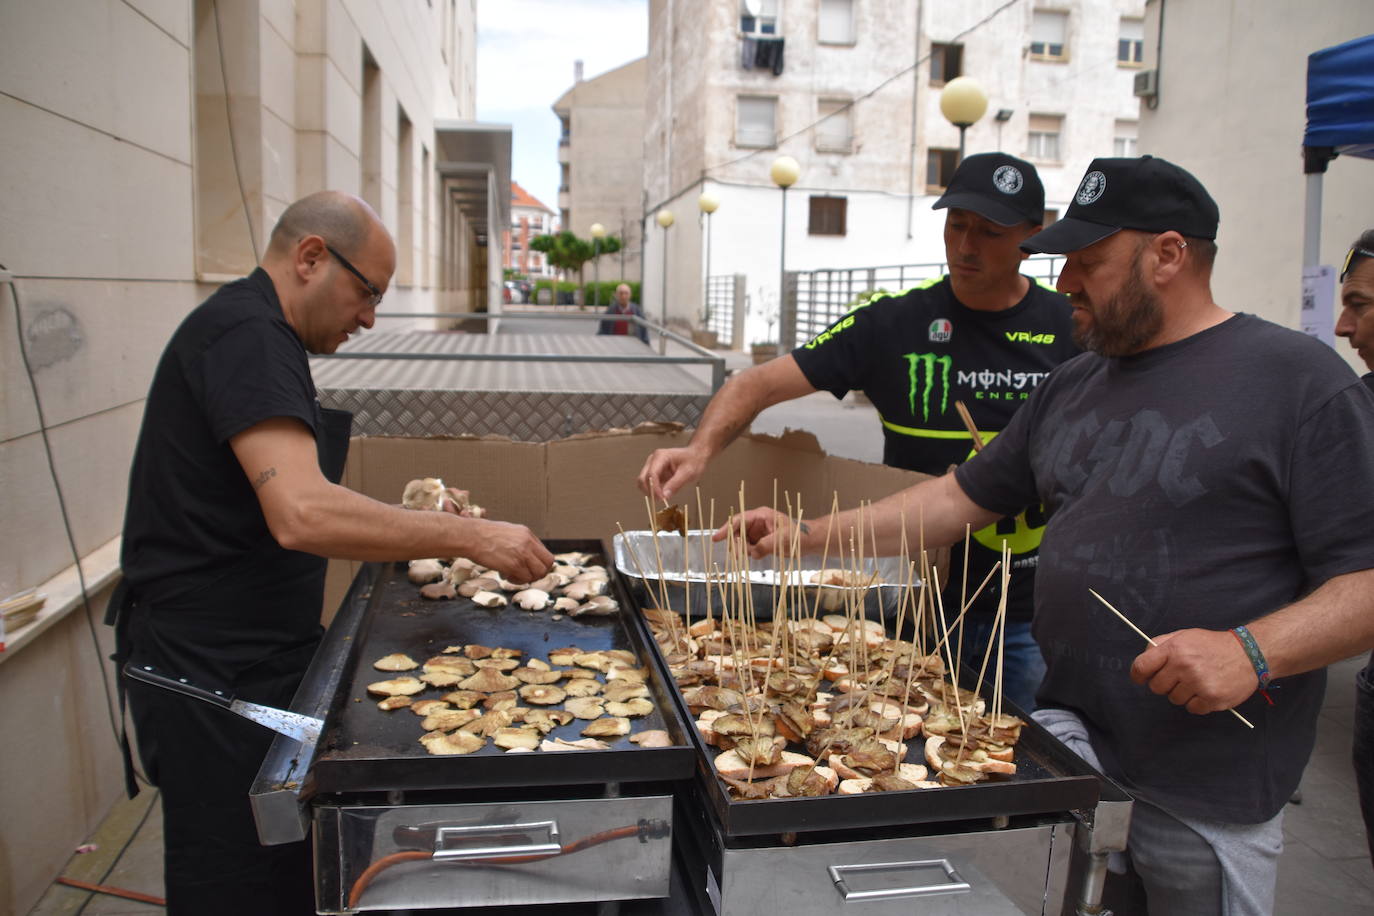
[1141, 633]
[968, 423]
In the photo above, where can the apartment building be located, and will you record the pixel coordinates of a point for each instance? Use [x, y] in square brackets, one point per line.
[1230, 104]
[148, 150]
[850, 89]
[601, 156]
[529, 217]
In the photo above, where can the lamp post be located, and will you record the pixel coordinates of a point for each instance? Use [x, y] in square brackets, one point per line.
[708, 204]
[963, 102]
[665, 219]
[598, 232]
[784, 171]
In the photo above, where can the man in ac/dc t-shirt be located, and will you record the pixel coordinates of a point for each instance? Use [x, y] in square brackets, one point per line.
[983, 335]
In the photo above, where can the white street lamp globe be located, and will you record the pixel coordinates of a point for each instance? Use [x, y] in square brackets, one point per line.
[963, 101]
[785, 171]
[598, 231]
[664, 218]
[707, 202]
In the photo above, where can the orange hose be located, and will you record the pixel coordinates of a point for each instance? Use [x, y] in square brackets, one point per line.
[113, 891]
[382, 864]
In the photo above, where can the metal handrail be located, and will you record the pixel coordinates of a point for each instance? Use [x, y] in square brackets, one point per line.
[706, 357]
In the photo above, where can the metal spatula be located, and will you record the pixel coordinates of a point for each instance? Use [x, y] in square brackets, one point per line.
[291, 724]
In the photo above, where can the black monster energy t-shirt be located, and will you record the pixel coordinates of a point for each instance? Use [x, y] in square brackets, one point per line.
[914, 355]
[1205, 483]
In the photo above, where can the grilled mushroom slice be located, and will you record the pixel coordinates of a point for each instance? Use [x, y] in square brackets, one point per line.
[607, 727]
[453, 663]
[542, 694]
[397, 686]
[533, 675]
[398, 702]
[457, 743]
[546, 720]
[440, 677]
[635, 707]
[476, 651]
[464, 699]
[582, 744]
[489, 680]
[582, 687]
[447, 720]
[396, 661]
[490, 724]
[585, 707]
[564, 656]
[652, 737]
[500, 664]
[516, 738]
[620, 691]
[428, 707]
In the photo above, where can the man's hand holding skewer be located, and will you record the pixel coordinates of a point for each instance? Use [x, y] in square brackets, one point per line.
[768, 531]
[1201, 670]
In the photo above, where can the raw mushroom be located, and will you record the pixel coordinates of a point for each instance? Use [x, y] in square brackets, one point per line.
[566, 604]
[600, 606]
[426, 493]
[532, 599]
[489, 599]
[437, 591]
[422, 571]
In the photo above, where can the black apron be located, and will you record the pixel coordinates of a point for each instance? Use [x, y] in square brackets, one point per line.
[250, 629]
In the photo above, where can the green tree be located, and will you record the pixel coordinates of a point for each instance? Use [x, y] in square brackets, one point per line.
[566, 251]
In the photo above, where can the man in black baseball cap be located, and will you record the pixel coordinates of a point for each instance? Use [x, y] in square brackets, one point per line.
[984, 336]
[1167, 221]
[1187, 464]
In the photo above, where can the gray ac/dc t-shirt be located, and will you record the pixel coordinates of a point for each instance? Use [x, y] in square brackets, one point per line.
[1205, 483]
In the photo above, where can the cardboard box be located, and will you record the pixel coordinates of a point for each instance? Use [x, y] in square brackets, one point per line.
[583, 486]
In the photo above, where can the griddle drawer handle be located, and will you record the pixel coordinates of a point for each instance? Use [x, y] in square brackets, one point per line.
[953, 885]
[538, 838]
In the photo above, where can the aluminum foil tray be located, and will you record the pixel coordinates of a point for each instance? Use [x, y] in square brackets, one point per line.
[688, 567]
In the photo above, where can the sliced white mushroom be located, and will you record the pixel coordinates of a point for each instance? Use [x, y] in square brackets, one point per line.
[397, 686]
[396, 661]
[425, 493]
[581, 591]
[532, 599]
[600, 606]
[477, 584]
[438, 591]
[653, 737]
[489, 599]
[462, 570]
[565, 604]
[516, 738]
[422, 571]
[582, 744]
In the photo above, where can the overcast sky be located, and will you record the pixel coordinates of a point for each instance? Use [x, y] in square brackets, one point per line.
[525, 54]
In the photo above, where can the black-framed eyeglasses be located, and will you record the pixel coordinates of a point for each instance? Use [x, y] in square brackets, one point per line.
[375, 295]
[1355, 252]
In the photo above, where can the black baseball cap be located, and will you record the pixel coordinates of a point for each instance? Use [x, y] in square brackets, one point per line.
[999, 187]
[1146, 194]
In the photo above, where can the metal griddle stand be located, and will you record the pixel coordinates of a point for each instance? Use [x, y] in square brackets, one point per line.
[1098, 833]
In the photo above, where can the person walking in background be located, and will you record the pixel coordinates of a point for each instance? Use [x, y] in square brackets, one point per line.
[622, 305]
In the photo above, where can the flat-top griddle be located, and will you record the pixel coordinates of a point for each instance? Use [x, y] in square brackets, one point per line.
[364, 748]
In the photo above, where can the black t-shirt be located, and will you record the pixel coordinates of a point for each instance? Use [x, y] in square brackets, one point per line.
[914, 355]
[192, 513]
[1205, 483]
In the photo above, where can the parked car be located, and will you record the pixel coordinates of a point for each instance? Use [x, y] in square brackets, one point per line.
[512, 293]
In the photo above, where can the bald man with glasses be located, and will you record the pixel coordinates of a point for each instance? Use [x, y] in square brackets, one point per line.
[234, 504]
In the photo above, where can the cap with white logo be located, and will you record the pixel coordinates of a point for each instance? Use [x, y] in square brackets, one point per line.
[998, 187]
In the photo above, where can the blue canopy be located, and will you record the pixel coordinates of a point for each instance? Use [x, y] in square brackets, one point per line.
[1340, 98]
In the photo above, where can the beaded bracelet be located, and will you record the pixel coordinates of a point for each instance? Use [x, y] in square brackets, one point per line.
[1252, 652]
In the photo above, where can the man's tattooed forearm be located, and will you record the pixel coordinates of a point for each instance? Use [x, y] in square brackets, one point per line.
[806, 529]
[264, 477]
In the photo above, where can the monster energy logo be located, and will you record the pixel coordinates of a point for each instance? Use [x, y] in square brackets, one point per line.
[928, 361]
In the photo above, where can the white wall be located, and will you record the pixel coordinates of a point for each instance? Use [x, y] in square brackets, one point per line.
[1232, 110]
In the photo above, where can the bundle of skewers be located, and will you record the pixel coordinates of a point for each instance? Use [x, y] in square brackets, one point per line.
[805, 702]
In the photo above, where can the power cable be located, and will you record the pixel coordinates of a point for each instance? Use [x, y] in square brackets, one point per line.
[62, 507]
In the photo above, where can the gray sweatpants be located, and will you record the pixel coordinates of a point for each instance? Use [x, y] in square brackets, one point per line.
[1190, 866]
